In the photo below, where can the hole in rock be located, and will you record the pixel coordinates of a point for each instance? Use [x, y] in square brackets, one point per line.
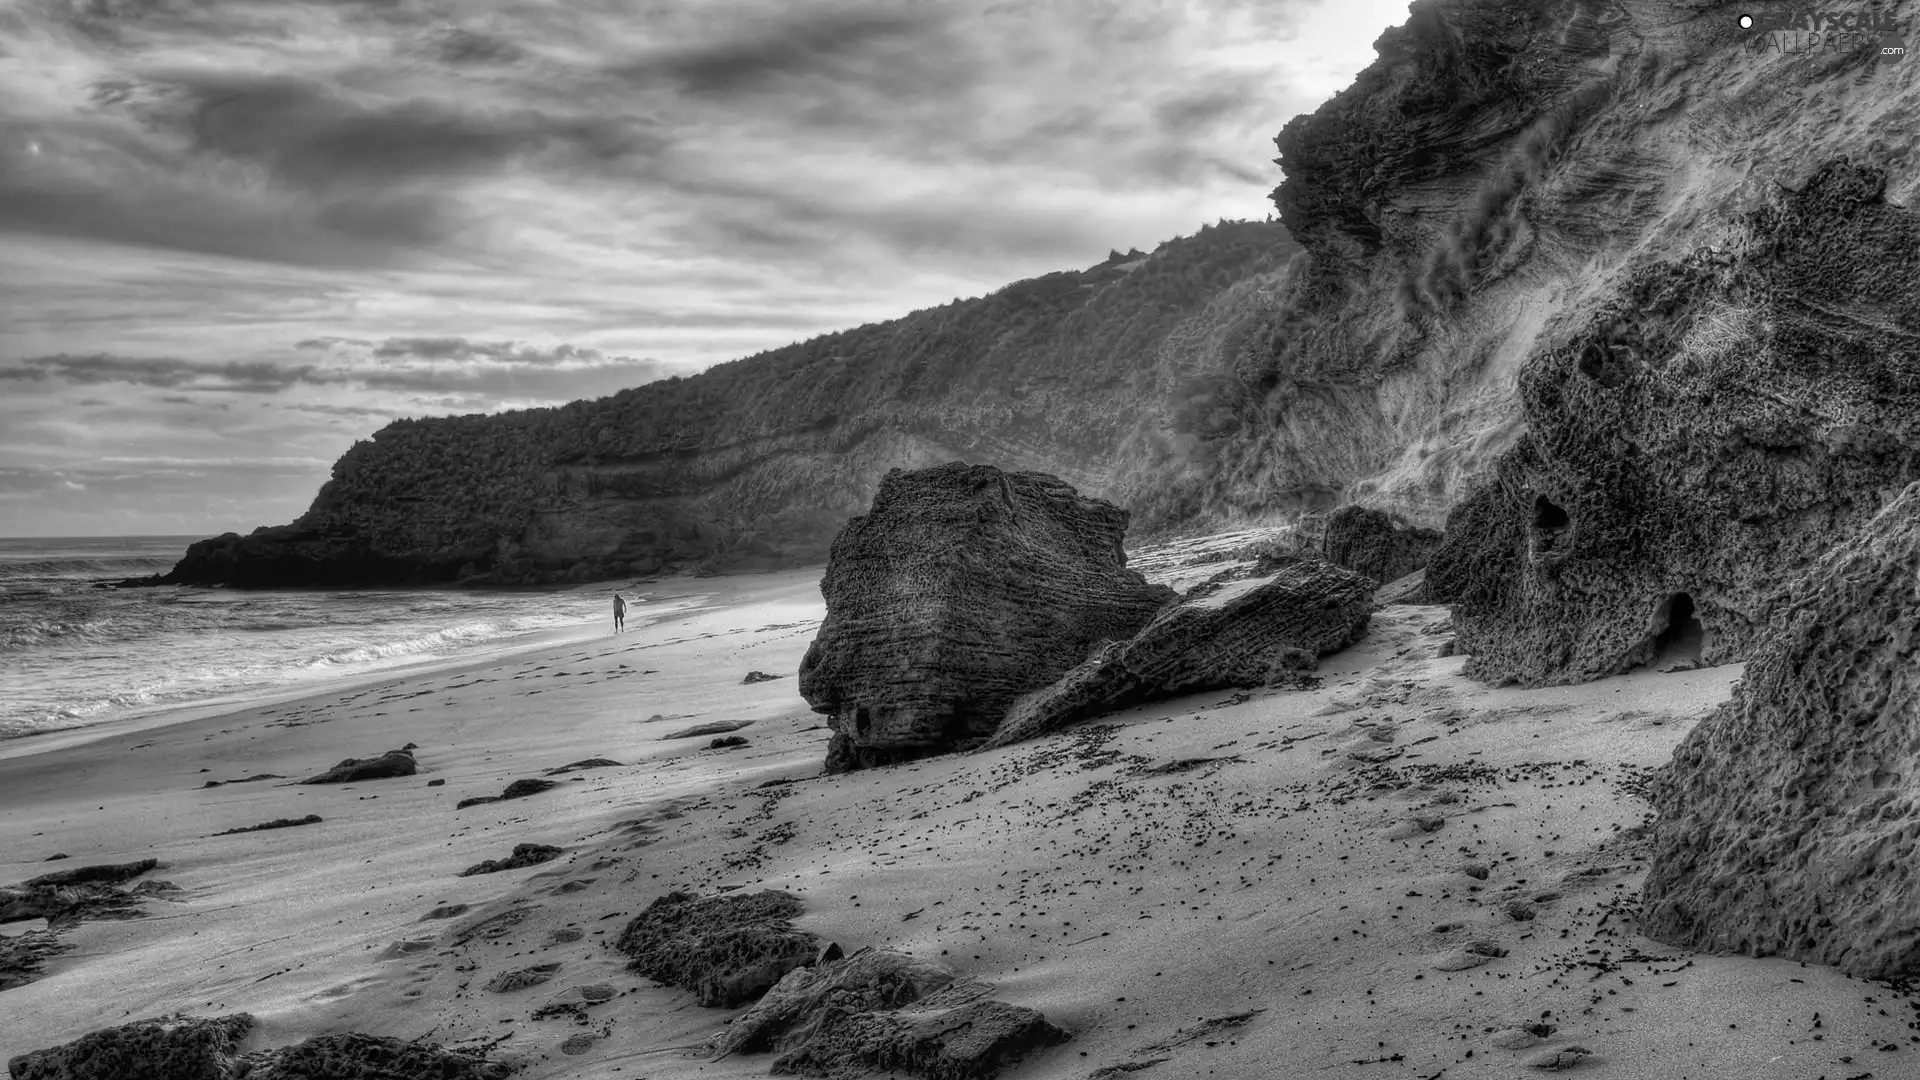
[1677, 631]
[1608, 365]
[1548, 517]
[1550, 522]
[862, 720]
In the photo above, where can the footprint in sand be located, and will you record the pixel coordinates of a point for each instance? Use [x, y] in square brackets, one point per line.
[1420, 825]
[401, 949]
[1521, 1036]
[1566, 1057]
[1468, 956]
[579, 1044]
[521, 978]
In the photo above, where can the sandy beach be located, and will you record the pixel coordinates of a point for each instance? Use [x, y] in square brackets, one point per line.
[1401, 873]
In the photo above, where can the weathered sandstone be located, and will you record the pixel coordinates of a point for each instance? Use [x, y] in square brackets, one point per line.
[728, 950]
[961, 589]
[1790, 819]
[1251, 632]
[1373, 544]
[1698, 443]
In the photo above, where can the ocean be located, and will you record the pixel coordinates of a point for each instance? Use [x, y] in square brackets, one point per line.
[72, 655]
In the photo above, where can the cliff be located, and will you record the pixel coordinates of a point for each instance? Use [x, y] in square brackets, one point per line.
[1717, 429]
[1491, 181]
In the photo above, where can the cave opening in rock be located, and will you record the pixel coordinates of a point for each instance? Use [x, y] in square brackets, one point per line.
[1677, 631]
[862, 720]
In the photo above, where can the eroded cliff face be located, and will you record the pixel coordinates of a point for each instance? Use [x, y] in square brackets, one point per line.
[1714, 431]
[1788, 819]
[1501, 173]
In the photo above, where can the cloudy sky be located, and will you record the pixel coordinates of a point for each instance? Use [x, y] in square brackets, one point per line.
[235, 235]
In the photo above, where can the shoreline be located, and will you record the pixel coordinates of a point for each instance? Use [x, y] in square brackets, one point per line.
[1302, 869]
[156, 718]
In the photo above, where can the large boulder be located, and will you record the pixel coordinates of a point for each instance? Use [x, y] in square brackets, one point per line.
[727, 949]
[1247, 633]
[882, 1011]
[963, 588]
[1789, 821]
[207, 1048]
[1696, 443]
[1375, 544]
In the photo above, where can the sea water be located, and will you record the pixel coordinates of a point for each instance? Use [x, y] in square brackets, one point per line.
[73, 655]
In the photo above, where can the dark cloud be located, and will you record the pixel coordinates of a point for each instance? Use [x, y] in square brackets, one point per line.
[165, 373]
[501, 369]
[350, 412]
[845, 45]
[313, 135]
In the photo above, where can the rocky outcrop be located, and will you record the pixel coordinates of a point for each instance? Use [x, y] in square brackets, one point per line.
[68, 897]
[1250, 632]
[1456, 210]
[1701, 440]
[390, 764]
[206, 1048]
[727, 950]
[1375, 545]
[23, 957]
[523, 855]
[962, 588]
[878, 1010]
[519, 789]
[1789, 820]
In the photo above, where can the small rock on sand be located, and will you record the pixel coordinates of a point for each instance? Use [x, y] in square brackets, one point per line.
[391, 763]
[519, 789]
[520, 979]
[759, 677]
[276, 823]
[716, 727]
[523, 855]
[727, 742]
[586, 763]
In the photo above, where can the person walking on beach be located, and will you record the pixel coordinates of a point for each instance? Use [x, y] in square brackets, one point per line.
[619, 612]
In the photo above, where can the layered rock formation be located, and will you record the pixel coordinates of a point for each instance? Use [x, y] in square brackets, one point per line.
[878, 1010]
[1375, 545]
[1251, 632]
[1703, 438]
[962, 588]
[1790, 819]
[207, 1048]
